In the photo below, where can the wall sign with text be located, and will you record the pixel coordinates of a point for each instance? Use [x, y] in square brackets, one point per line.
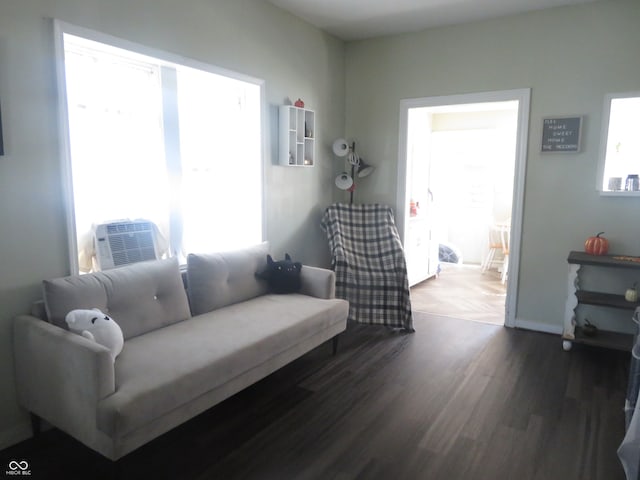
[561, 134]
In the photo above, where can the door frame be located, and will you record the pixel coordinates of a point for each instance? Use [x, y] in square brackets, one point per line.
[523, 96]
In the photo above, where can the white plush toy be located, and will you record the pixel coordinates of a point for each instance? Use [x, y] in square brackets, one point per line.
[96, 326]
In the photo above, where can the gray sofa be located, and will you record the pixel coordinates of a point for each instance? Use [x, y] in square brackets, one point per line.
[184, 351]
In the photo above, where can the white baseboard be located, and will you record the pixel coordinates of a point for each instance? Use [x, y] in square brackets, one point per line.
[538, 326]
[16, 434]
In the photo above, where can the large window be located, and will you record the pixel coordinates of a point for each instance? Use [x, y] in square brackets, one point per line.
[178, 144]
[620, 151]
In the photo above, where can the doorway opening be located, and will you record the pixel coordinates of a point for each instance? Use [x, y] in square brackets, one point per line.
[461, 182]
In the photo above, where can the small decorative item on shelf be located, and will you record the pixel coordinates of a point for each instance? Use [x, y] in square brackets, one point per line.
[413, 208]
[631, 294]
[615, 184]
[596, 245]
[632, 183]
[299, 103]
[589, 329]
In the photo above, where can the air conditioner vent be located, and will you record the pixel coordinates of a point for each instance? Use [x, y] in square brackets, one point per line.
[123, 243]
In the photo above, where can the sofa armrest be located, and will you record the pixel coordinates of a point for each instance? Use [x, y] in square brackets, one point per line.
[60, 376]
[318, 282]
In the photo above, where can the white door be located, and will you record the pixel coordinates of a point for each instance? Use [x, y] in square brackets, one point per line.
[421, 248]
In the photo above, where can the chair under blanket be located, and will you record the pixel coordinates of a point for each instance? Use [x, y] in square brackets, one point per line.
[369, 262]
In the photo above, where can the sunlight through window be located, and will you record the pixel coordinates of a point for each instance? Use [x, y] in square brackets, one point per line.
[165, 142]
[621, 149]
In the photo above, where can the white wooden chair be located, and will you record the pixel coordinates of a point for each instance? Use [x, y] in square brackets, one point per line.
[498, 254]
[505, 233]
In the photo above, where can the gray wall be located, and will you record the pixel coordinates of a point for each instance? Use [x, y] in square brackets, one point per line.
[248, 36]
[569, 57]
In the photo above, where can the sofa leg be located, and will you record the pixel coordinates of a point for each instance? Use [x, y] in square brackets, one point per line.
[334, 342]
[36, 424]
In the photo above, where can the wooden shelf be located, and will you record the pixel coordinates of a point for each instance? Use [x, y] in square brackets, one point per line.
[605, 300]
[605, 339]
[576, 297]
[582, 258]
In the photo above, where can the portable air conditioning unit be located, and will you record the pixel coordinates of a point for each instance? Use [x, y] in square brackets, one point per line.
[123, 243]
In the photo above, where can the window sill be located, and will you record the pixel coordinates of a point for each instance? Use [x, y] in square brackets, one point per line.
[619, 194]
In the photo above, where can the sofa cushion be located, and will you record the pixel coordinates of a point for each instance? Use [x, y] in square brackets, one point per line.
[215, 280]
[143, 296]
[167, 368]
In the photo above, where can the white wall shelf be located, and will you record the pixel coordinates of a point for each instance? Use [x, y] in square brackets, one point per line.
[297, 136]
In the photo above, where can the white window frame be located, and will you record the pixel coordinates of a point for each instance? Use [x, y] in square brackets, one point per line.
[604, 137]
[60, 28]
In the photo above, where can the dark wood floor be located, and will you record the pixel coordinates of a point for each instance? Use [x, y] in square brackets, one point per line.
[455, 400]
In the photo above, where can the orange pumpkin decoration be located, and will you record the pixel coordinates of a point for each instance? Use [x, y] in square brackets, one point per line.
[596, 245]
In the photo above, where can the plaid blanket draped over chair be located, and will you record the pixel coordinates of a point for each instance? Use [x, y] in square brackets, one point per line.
[369, 262]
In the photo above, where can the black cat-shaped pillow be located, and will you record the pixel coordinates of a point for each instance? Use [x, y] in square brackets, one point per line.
[282, 276]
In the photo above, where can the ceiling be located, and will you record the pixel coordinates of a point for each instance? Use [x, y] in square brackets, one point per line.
[361, 19]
